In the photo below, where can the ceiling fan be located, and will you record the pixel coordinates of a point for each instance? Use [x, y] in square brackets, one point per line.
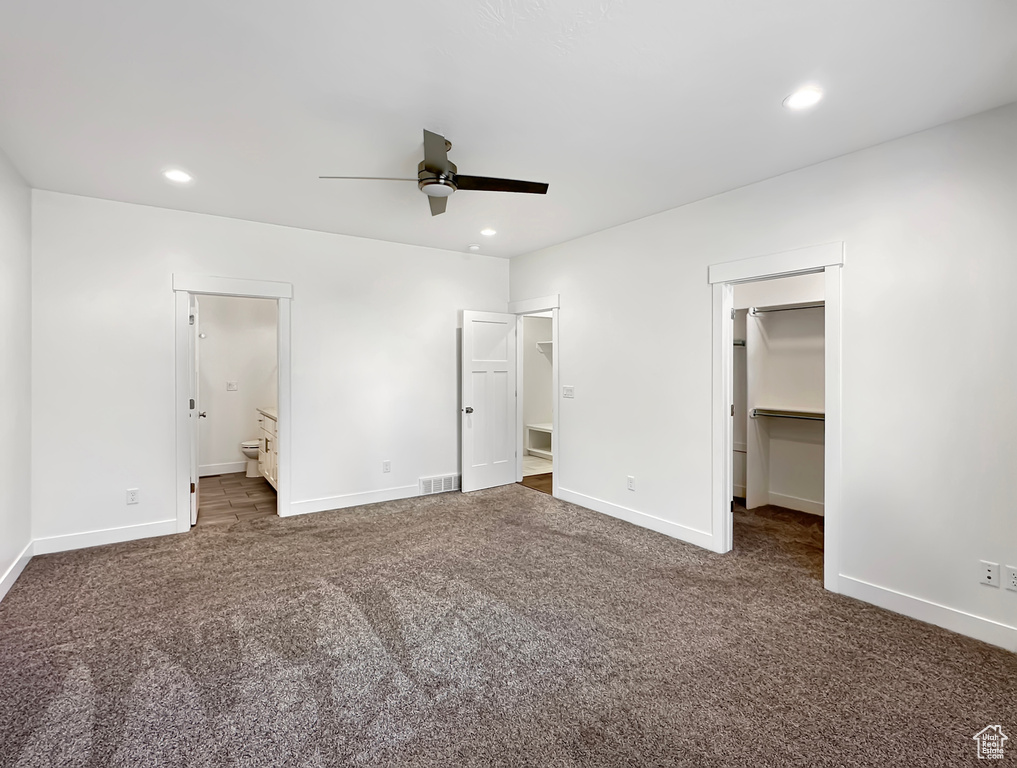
[438, 178]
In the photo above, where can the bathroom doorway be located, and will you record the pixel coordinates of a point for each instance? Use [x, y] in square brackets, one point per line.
[237, 398]
[190, 292]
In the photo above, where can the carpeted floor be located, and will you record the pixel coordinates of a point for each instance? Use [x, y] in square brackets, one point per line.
[500, 628]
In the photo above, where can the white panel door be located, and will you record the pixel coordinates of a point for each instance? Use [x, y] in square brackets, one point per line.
[489, 400]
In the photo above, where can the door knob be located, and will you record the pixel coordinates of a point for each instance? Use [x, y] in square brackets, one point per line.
[468, 409]
[201, 415]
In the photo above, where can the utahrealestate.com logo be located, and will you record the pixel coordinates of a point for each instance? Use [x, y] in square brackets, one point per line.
[990, 742]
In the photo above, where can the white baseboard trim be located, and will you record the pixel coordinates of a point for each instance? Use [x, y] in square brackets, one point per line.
[350, 500]
[739, 490]
[206, 470]
[793, 502]
[642, 519]
[986, 630]
[106, 536]
[12, 573]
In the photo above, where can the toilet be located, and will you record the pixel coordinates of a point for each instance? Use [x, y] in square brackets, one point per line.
[250, 449]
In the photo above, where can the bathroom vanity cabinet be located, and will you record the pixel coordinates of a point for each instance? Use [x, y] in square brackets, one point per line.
[268, 452]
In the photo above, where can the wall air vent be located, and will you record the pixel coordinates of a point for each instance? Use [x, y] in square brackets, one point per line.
[439, 484]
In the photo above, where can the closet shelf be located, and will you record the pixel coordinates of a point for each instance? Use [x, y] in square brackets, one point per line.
[542, 345]
[753, 311]
[755, 413]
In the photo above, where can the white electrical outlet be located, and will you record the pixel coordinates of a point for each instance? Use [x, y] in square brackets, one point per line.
[386, 466]
[132, 495]
[1010, 578]
[232, 386]
[989, 573]
[631, 483]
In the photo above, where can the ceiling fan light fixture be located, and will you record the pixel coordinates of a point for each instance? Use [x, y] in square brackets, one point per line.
[438, 178]
[437, 188]
[805, 97]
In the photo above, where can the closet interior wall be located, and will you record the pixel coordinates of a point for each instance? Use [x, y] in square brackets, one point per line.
[538, 394]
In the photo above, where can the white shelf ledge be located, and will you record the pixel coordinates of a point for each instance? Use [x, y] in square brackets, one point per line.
[540, 450]
[785, 413]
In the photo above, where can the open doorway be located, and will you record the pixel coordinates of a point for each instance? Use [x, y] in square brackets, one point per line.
[237, 395]
[491, 410]
[188, 290]
[778, 365]
[537, 395]
[827, 261]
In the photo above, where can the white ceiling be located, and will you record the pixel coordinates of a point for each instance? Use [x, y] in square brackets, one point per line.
[626, 107]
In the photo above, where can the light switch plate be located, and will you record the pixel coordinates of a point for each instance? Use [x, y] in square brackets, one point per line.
[232, 386]
[568, 391]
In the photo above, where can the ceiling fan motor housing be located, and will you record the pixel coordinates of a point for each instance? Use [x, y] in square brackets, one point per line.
[436, 184]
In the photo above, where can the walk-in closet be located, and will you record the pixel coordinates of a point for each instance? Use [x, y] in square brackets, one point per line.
[779, 361]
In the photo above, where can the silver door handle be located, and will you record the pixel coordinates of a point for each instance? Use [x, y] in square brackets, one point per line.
[202, 415]
[468, 409]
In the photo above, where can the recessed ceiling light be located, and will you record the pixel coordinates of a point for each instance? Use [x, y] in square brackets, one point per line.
[473, 247]
[178, 176]
[488, 232]
[804, 97]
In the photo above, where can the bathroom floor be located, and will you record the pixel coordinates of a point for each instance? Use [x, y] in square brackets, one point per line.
[233, 497]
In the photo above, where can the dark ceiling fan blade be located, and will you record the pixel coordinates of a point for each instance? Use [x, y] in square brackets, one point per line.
[435, 153]
[368, 178]
[437, 204]
[487, 184]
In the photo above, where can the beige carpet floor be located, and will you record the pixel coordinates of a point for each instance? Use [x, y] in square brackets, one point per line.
[501, 628]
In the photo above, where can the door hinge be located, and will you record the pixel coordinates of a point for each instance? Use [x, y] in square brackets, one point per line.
[192, 487]
[732, 409]
[192, 403]
[190, 320]
[732, 314]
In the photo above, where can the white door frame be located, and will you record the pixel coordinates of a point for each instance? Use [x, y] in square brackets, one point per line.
[183, 286]
[827, 258]
[528, 307]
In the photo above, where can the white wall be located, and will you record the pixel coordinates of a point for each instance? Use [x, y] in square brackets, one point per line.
[373, 353]
[538, 399]
[929, 413]
[239, 345]
[796, 289]
[15, 372]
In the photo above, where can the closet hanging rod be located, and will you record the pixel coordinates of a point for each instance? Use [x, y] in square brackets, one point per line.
[755, 413]
[739, 342]
[787, 307]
